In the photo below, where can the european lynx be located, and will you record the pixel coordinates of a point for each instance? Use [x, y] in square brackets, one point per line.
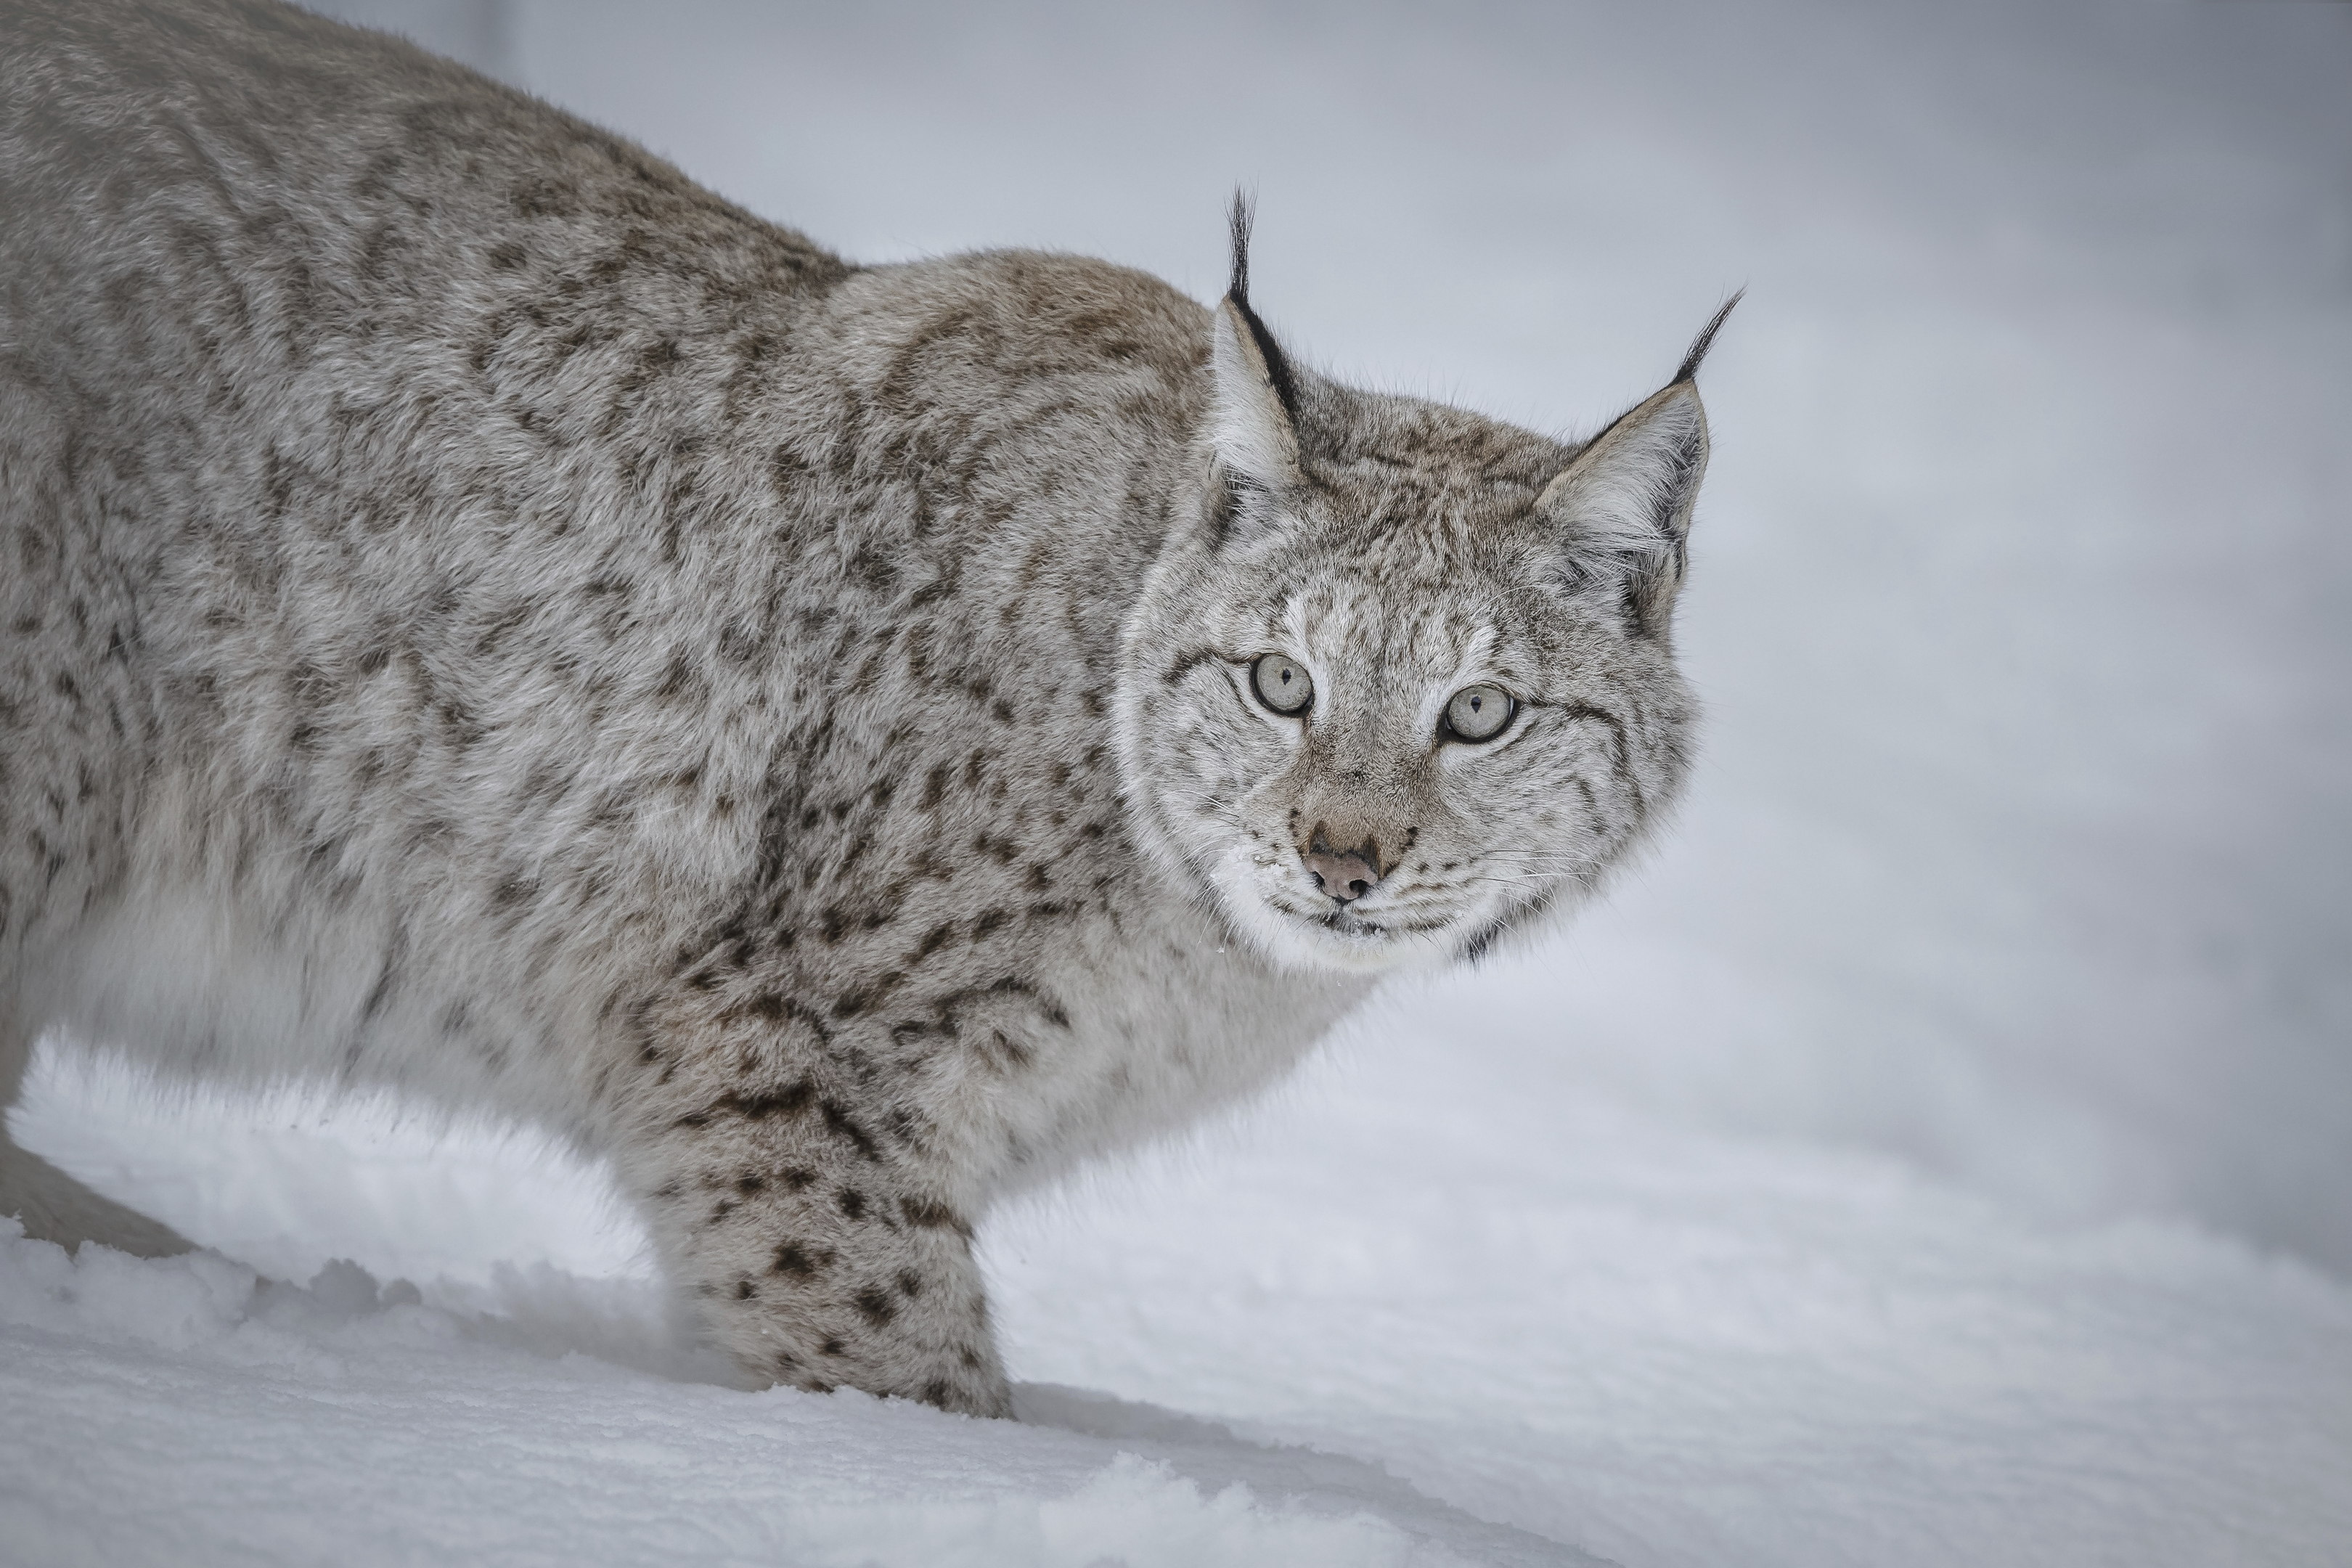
[483, 616]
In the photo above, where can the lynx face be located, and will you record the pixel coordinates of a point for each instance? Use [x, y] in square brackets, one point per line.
[1405, 685]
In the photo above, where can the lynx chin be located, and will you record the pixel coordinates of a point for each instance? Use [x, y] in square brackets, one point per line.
[483, 616]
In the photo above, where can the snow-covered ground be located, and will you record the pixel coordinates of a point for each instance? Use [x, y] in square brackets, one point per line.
[1436, 1303]
[1941, 1151]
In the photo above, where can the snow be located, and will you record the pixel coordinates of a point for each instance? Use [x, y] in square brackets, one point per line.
[1937, 1153]
[215, 1421]
[1562, 1328]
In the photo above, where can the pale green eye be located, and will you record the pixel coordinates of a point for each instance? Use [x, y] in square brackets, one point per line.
[1477, 713]
[1282, 684]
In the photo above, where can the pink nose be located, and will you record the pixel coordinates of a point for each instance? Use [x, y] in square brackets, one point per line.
[1346, 874]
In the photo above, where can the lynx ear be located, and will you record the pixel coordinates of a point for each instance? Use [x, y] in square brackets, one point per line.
[1254, 395]
[1630, 491]
[1624, 506]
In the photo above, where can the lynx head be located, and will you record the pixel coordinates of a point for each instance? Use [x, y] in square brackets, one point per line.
[1401, 679]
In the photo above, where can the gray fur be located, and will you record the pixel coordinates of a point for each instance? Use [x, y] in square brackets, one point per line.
[481, 616]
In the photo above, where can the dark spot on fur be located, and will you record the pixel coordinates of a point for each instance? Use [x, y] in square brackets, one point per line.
[853, 1203]
[875, 1307]
[838, 1123]
[925, 1215]
[757, 1107]
[771, 1006]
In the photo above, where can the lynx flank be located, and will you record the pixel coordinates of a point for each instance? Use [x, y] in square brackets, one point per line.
[481, 616]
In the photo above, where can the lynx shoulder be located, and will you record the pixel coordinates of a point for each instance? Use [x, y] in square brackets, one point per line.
[481, 616]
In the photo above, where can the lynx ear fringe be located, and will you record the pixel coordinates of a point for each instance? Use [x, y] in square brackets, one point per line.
[1254, 393]
[1630, 489]
[1699, 345]
[1241, 217]
[1240, 220]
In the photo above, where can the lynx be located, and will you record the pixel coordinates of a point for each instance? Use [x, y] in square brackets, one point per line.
[482, 617]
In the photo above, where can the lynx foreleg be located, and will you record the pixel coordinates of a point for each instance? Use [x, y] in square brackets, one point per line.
[817, 1260]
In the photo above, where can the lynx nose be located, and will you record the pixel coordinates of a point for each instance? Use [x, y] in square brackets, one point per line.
[1345, 875]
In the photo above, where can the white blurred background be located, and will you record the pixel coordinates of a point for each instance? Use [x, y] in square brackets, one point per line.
[2021, 577]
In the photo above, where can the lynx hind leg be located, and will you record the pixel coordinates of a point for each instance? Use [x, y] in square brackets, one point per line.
[52, 1204]
[817, 1261]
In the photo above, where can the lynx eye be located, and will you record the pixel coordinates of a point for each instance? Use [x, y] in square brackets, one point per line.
[1282, 683]
[1478, 713]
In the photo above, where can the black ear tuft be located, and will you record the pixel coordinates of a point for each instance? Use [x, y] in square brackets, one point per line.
[1699, 345]
[1277, 368]
[1243, 215]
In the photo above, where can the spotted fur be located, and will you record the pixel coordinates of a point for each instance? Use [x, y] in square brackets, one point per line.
[481, 616]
